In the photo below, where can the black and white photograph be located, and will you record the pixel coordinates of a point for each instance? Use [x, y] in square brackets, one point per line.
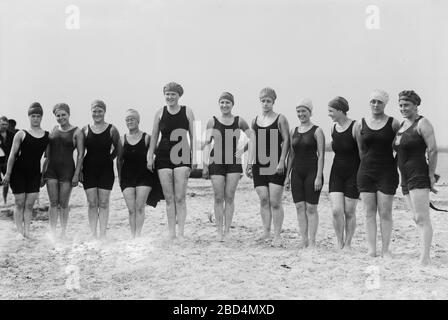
[223, 150]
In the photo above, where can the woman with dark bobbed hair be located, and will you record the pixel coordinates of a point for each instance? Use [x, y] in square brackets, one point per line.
[60, 171]
[416, 148]
[24, 171]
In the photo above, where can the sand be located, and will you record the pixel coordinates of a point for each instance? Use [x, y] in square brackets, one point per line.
[203, 268]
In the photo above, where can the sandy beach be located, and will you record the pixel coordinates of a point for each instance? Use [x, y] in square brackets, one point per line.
[203, 268]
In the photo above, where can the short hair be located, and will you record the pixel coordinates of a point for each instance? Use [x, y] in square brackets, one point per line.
[3, 118]
[12, 122]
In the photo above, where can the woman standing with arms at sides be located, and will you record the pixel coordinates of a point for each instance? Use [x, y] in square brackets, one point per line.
[174, 155]
[377, 175]
[342, 186]
[23, 169]
[305, 171]
[268, 148]
[136, 180]
[223, 163]
[413, 141]
[60, 172]
[97, 171]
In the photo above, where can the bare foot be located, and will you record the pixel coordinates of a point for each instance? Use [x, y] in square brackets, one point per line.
[303, 244]
[265, 236]
[424, 262]
[387, 255]
[20, 237]
[371, 254]
[277, 242]
[181, 238]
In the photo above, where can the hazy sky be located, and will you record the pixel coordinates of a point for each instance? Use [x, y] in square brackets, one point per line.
[125, 51]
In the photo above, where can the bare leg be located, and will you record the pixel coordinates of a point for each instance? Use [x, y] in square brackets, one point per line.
[313, 222]
[420, 202]
[92, 199]
[350, 220]
[218, 183]
[265, 210]
[53, 195]
[275, 200]
[129, 197]
[5, 193]
[384, 204]
[140, 204]
[232, 180]
[65, 189]
[103, 202]
[18, 211]
[30, 199]
[167, 182]
[303, 222]
[337, 207]
[181, 176]
[370, 206]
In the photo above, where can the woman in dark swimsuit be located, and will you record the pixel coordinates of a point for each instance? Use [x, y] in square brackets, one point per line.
[136, 180]
[267, 163]
[23, 171]
[415, 142]
[377, 175]
[60, 172]
[223, 163]
[174, 157]
[305, 171]
[97, 169]
[343, 190]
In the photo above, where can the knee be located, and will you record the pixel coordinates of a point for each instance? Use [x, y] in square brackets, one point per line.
[300, 206]
[180, 200]
[54, 203]
[140, 208]
[276, 204]
[229, 199]
[93, 204]
[219, 199]
[337, 212]
[421, 220]
[20, 205]
[264, 202]
[311, 209]
[104, 204]
[29, 206]
[386, 216]
[169, 199]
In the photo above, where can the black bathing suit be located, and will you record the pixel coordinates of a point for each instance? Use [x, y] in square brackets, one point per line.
[134, 171]
[263, 148]
[411, 155]
[61, 165]
[378, 168]
[221, 162]
[26, 175]
[169, 123]
[304, 167]
[345, 163]
[98, 171]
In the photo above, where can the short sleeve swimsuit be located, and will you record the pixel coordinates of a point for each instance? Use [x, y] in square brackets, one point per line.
[26, 175]
[173, 150]
[134, 171]
[411, 154]
[222, 156]
[98, 170]
[345, 163]
[268, 149]
[378, 168]
[61, 165]
[304, 166]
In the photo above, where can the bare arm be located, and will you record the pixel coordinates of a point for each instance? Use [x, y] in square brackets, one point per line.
[361, 147]
[207, 143]
[290, 157]
[427, 133]
[284, 131]
[191, 132]
[120, 157]
[245, 128]
[18, 138]
[79, 142]
[154, 139]
[320, 138]
[251, 155]
[115, 135]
